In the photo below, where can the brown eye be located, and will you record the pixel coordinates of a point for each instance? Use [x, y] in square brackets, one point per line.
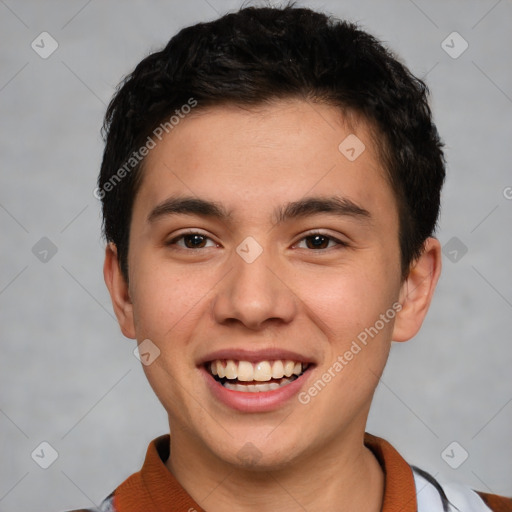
[192, 241]
[319, 241]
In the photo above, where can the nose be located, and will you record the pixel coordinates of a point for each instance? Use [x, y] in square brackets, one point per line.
[254, 294]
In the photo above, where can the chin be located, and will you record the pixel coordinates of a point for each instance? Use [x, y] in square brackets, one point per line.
[260, 451]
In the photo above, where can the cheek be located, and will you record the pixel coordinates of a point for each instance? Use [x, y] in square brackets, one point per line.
[348, 301]
[356, 315]
[167, 300]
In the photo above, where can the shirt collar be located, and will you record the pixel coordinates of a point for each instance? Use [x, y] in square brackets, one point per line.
[154, 488]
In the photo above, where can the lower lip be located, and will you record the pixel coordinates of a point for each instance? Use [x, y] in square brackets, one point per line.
[262, 401]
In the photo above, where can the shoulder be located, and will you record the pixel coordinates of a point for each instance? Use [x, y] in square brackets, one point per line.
[451, 497]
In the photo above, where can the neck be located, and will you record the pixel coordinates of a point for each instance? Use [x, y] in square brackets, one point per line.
[343, 475]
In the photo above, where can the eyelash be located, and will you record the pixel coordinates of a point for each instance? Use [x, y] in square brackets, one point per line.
[312, 234]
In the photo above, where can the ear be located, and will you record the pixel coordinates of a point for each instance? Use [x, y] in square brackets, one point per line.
[119, 292]
[417, 291]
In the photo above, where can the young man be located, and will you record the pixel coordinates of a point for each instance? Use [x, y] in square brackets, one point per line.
[270, 189]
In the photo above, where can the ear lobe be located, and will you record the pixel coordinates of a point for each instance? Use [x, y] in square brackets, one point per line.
[417, 291]
[119, 291]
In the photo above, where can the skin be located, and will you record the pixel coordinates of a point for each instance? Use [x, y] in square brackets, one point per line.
[191, 301]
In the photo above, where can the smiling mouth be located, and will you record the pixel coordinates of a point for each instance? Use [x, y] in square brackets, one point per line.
[258, 377]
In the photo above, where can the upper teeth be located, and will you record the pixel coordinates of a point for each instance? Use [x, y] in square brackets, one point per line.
[261, 371]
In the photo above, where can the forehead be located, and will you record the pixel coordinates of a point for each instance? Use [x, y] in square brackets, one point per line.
[249, 157]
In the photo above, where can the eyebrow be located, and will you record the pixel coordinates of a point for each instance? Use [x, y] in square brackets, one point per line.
[188, 206]
[340, 206]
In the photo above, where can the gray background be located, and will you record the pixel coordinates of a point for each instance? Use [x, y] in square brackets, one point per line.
[67, 375]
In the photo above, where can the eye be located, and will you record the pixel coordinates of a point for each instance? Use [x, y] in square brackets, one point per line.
[192, 240]
[320, 241]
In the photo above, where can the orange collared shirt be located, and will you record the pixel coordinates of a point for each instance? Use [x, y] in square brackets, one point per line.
[155, 489]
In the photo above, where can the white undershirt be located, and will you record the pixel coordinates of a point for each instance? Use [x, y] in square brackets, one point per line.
[462, 497]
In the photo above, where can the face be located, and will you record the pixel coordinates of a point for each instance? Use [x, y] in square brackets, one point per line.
[264, 268]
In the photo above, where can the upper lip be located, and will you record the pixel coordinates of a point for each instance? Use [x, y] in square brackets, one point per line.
[269, 354]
